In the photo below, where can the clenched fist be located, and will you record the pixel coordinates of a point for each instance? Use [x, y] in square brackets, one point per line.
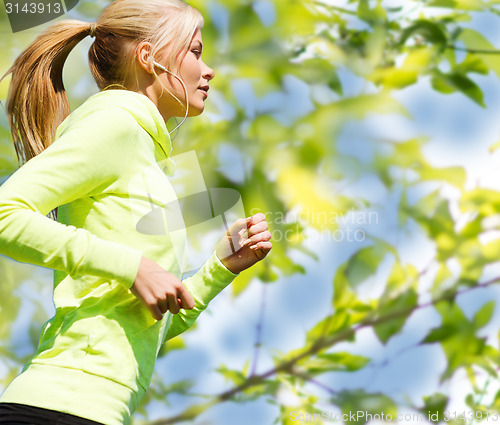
[159, 290]
[245, 243]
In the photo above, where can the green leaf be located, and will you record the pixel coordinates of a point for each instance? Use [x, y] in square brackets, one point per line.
[235, 376]
[441, 3]
[373, 16]
[468, 87]
[472, 63]
[475, 40]
[487, 364]
[358, 401]
[343, 296]
[399, 281]
[267, 388]
[335, 83]
[374, 46]
[363, 264]
[441, 84]
[484, 201]
[242, 281]
[360, 106]
[457, 337]
[442, 280]
[476, 5]
[434, 407]
[439, 334]
[364, 12]
[316, 71]
[176, 343]
[330, 325]
[401, 307]
[448, 83]
[429, 30]
[415, 64]
[484, 314]
[453, 175]
[458, 4]
[287, 266]
[330, 362]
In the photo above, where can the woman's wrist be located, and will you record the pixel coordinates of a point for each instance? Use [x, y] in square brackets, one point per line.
[228, 264]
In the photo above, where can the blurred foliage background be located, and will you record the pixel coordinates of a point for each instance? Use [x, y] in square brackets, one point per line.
[385, 244]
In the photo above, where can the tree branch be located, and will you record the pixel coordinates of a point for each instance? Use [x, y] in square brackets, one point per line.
[306, 377]
[478, 51]
[315, 348]
[336, 8]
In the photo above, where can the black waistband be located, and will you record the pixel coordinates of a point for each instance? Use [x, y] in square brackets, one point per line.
[14, 413]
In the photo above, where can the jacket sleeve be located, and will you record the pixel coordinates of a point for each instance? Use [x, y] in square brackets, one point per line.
[204, 285]
[84, 160]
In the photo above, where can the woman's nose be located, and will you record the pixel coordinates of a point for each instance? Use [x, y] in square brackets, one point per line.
[208, 73]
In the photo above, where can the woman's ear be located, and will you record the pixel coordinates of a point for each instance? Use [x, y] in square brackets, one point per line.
[144, 57]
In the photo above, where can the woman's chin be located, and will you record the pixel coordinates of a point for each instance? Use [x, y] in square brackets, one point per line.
[195, 110]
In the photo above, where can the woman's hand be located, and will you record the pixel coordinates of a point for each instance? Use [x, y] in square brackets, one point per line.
[246, 242]
[159, 290]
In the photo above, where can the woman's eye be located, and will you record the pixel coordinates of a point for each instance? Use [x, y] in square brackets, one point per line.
[197, 53]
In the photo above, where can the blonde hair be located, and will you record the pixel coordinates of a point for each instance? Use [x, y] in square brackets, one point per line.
[37, 102]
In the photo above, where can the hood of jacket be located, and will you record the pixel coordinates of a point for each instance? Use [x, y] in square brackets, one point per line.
[138, 105]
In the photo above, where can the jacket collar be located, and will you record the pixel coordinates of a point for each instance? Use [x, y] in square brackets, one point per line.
[143, 110]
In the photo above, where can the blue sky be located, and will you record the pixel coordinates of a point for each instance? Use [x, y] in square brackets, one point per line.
[460, 134]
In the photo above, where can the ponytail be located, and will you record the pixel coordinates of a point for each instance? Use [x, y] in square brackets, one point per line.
[37, 102]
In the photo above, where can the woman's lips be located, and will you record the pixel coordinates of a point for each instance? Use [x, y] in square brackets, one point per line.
[204, 89]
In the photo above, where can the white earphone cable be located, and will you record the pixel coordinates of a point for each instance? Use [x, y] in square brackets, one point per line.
[185, 91]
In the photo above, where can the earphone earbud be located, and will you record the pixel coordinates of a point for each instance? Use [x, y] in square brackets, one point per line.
[185, 91]
[160, 66]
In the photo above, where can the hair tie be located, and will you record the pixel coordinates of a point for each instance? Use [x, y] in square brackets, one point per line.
[92, 29]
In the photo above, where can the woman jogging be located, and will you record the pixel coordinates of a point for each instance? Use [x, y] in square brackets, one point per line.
[117, 291]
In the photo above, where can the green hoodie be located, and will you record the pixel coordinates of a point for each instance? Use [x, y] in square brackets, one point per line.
[108, 166]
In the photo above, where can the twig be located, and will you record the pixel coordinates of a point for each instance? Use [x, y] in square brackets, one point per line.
[336, 8]
[258, 340]
[306, 377]
[316, 347]
[478, 51]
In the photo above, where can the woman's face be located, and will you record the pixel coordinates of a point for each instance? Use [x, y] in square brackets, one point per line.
[194, 73]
